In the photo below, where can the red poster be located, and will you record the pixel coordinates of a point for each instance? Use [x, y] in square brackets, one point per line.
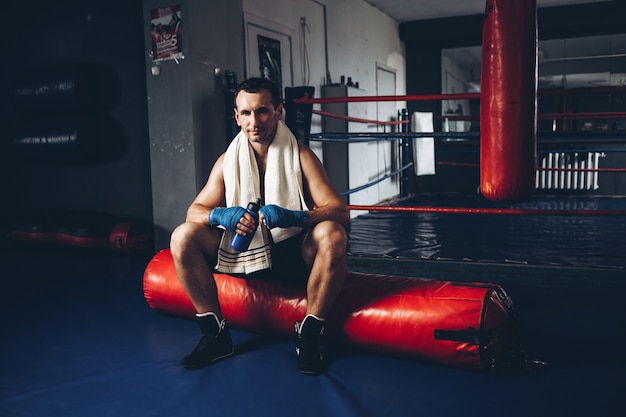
[167, 40]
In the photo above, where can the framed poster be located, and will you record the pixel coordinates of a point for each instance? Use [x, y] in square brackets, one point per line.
[268, 51]
[166, 33]
[270, 63]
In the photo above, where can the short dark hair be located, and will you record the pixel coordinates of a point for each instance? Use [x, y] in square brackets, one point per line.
[256, 84]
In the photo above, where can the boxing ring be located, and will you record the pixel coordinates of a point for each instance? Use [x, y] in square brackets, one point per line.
[535, 199]
[560, 225]
[546, 229]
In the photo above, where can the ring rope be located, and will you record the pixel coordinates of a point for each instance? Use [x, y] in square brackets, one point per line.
[359, 120]
[371, 136]
[562, 136]
[542, 150]
[459, 164]
[456, 117]
[583, 115]
[587, 115]
[472, 210]
[545, 139]
[359, 99]
[543, 168]
[306, 99]
[367, 137]
[384, 177]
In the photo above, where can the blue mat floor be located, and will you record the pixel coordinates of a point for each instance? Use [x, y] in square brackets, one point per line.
[78, 339]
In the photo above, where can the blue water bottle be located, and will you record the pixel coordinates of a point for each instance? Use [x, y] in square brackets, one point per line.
[241, 243]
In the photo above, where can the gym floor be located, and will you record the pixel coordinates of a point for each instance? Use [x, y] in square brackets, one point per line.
[78, 339]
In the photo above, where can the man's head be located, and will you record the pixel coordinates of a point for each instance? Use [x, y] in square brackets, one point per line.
[258, 109]
[255, 85]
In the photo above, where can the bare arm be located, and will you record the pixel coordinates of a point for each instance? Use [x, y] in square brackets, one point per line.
[327, 201]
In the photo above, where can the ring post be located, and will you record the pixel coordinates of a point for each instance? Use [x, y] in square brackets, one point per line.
[298, 115]
[404, 152]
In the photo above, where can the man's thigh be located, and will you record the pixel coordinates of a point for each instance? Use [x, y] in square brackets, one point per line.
[287, 261]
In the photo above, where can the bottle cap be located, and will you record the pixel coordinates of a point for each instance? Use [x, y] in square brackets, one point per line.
[255, 205]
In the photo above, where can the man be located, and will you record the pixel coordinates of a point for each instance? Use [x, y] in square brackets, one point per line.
[301, 230]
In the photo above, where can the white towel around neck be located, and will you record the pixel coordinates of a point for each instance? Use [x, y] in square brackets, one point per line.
[283, 187]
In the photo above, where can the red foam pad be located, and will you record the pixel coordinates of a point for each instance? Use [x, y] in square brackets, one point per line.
[83, 229]
[437, 321]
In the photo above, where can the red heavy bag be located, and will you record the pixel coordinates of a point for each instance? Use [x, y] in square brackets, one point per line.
[465, 325]
[508, 91]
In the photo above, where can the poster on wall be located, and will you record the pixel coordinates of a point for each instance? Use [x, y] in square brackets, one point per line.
[270, 65]
[167, 40]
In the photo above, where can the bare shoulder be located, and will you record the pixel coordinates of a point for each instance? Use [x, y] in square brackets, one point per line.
[315, 177]
[308, 158]
[214, 190]
[219, 163]
[217, 172]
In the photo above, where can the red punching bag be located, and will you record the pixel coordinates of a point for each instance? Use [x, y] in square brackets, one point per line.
[508, 104]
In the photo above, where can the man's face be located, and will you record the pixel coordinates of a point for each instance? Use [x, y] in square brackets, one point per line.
[256, 115]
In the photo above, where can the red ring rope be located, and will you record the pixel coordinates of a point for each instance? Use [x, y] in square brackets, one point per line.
[457, 96]
[417, 97]
[473, 210]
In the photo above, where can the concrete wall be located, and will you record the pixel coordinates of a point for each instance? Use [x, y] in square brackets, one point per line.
[186, 106]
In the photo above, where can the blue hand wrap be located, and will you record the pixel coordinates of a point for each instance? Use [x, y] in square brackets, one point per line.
[227, 217]
[276, 216]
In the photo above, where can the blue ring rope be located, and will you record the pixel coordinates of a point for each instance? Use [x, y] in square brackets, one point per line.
[369, 184]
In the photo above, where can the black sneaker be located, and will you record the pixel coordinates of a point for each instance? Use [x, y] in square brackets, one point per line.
[308, 340]
[213, 346]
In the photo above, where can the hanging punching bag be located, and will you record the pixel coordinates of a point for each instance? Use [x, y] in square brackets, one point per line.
[508, 106]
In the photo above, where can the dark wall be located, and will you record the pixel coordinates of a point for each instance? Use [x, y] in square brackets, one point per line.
[424, 41]
[105, 38]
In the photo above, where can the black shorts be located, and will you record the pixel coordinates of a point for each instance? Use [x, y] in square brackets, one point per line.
[287, 261]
